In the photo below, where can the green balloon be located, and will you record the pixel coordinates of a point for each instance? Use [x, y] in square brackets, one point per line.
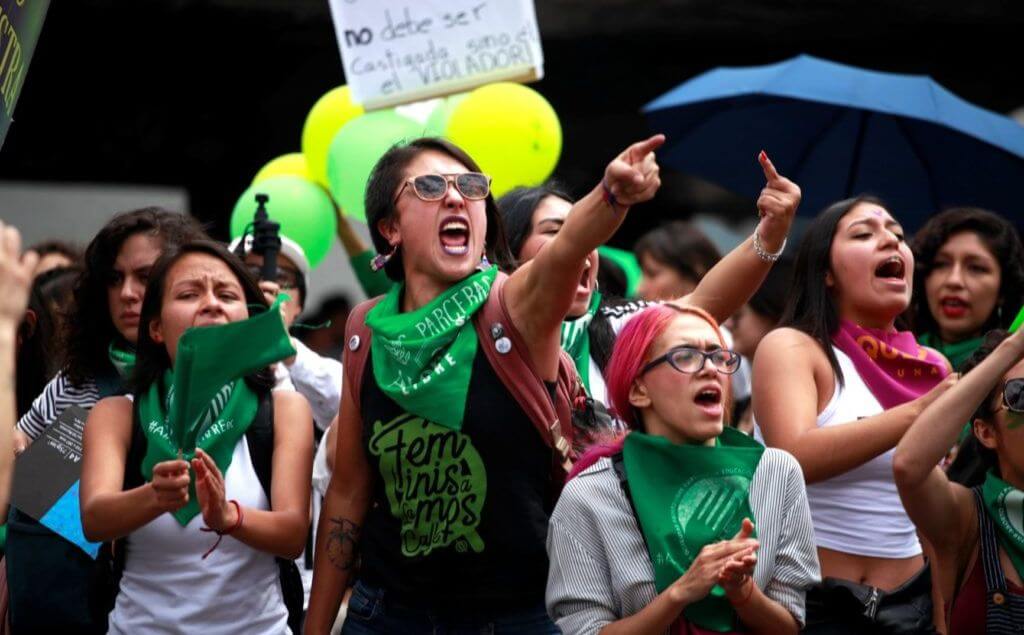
[355, 150]
[303, 208]
[437, 122]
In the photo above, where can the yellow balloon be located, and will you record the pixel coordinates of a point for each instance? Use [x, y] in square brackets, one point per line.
[511, 131]
[325, 119]
[293, 164]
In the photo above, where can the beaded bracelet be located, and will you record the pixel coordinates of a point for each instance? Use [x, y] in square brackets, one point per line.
[763, 253]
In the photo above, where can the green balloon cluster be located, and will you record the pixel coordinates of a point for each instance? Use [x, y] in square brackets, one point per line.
[303, 208]
[356, 148]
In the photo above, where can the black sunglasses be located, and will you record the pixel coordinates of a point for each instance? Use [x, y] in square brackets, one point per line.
[473, 186]
[286, 278]
[687, 359]
[1013, 395]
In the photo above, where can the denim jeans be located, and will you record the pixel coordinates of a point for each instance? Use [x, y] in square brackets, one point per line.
[370, 612]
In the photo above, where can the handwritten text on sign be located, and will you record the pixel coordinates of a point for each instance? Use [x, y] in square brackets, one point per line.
[400, 51]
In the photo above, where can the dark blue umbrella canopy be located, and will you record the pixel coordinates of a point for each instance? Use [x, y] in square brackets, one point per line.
[839, 131]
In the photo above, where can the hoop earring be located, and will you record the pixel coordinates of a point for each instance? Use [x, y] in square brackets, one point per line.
[380, 260]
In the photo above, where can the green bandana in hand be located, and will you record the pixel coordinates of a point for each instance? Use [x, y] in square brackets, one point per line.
[686, 497]
[123, 360]
[204, 402]
[576, 339]
[423, 360]
[1005, 505]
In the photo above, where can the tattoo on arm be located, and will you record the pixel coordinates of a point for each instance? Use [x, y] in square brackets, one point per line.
[342, 542]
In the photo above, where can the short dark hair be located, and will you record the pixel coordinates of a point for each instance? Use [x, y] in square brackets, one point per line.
[47, 247]
[681, 246]
[90, 327]
[999, 237]
[517, 208]
[811, 307]
[152, 359]
[387, 177]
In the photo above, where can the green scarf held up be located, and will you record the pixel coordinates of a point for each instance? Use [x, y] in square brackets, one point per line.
[204, 401]
[123, 360]
[957, 353]
[576, 339]
[423, 359]
[686, 497]
[1005, 505]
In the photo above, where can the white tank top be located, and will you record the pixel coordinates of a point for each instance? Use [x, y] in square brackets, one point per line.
[168, 588]
[860, 511]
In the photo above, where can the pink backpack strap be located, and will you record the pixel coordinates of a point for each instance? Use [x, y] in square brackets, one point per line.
[357, 347]
[509, 356]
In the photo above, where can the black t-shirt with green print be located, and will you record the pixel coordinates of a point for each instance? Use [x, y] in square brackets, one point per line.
[458, 520]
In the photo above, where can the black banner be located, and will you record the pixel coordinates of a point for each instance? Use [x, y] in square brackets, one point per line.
[20, 24]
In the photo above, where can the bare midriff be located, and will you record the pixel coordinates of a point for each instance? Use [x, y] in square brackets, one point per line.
[885, 573]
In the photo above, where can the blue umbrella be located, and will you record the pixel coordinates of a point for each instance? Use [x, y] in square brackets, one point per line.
[838, 131]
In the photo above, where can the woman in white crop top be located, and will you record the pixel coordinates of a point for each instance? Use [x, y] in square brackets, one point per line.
[819, 386]
[206, 568]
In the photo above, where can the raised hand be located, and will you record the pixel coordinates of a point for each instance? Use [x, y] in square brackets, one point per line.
[15, 276]
[632, 177]
[218, 514]
[776, 205]
[170, 485]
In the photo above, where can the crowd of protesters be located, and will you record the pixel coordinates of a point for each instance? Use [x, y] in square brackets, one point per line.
[500, 441]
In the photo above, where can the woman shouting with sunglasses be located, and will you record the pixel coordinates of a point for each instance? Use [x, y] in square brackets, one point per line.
[443, 487]
[978, 533]
[654, 533]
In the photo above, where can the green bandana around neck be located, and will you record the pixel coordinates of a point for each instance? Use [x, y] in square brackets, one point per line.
[423, 359]
[122, 358]
[204, 402]
[956, 353]
[686, 497]
[1005, 505]
[576, 339]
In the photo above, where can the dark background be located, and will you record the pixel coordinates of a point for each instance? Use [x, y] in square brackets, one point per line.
[200, 94]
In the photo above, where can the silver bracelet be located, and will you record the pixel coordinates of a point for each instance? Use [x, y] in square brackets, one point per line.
[764, 254]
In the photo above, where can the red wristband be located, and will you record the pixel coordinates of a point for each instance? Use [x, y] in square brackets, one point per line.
[608, 196]
[224, 532]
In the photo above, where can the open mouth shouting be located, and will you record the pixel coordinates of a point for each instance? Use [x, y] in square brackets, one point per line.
[454, 236]
[709, 400]
[892, 270]
[954, 307]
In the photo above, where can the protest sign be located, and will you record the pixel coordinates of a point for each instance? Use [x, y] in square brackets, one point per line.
[46, 478]
[400, 51]
[20, 24]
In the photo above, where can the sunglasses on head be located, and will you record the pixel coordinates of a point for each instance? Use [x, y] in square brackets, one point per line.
[286, 278]
[1013, 395]
[473, 186]
[689, 360]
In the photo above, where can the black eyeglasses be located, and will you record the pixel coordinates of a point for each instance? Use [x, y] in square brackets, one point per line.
[286, 278]
[433, 187]
[1013, 395]
[687, 359]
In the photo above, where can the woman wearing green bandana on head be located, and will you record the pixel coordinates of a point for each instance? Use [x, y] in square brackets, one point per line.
[534, 216]
[978, 533]
[102, 330]
[199, 554]
[656, 533]
[443, 486]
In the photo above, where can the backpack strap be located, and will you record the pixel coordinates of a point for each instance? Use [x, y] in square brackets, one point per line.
[509, 356]
[357, 347]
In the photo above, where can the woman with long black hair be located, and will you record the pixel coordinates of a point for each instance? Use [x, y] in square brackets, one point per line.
[443, 485]
[837, 387]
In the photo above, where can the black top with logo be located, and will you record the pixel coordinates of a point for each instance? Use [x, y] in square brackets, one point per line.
[458, 520]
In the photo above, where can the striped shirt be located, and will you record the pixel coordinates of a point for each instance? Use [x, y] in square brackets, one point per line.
[58, 394]
[600, 571]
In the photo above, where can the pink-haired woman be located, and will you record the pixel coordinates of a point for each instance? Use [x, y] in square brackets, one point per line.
[657, 534]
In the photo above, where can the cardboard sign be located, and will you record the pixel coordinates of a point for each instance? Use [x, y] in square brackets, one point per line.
[397, 52]
[46, 479]
[20, 24]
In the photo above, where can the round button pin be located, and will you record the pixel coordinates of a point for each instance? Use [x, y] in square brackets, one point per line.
[503, 344]
[353, 342]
